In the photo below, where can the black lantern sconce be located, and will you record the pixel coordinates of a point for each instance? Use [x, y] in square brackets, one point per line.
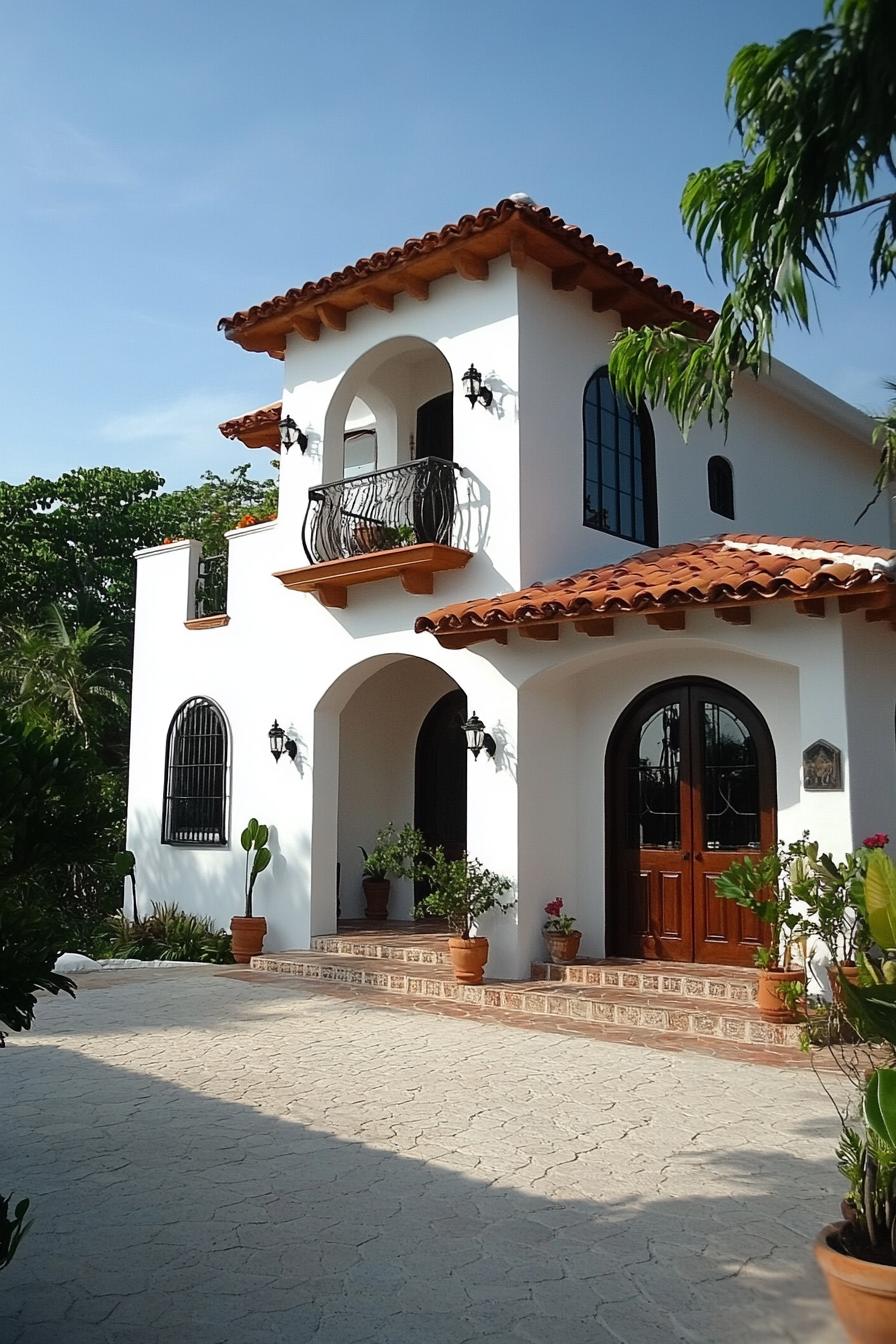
[280, 743]
[290, 435]
[473, 389]
[477, 738]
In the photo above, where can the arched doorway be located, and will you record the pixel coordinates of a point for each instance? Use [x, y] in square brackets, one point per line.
[690, 787]
[440, 779]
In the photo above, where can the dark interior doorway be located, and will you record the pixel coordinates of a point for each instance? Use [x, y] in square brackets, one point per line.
[440, 779]
[435, 428]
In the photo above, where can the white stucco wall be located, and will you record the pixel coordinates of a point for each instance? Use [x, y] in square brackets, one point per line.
[795, 473]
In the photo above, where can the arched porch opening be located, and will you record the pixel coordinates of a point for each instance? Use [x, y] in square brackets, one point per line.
[384, 752]
[394, 405]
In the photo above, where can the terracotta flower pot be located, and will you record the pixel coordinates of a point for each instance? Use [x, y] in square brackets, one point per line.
[376, 897]
[468, 958]
[863, 1293]
[769, 1004]
[247, 936]
[849, 971]
[563, 948]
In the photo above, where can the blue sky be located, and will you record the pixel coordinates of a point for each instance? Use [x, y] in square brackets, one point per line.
[167, 163]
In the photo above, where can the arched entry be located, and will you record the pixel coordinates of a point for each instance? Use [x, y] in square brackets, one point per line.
[690, 787]
[440, 778]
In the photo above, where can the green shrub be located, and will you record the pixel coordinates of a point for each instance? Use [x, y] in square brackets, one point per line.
[167, 934]
[28, 952]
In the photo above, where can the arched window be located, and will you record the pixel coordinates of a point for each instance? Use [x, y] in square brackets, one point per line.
[721, 486]
[195, 811]
[620, 474]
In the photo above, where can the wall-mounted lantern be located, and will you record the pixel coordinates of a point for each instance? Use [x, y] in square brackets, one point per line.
[477, 738]
[280, 743]
[473, 389]
[290, 435]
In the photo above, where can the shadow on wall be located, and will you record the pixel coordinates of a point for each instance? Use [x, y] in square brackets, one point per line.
[210, 881]
[174, 1210]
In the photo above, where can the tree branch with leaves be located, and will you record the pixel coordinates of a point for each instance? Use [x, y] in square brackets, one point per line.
[816, 119]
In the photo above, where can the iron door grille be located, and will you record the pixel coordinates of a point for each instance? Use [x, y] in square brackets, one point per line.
[195, 811]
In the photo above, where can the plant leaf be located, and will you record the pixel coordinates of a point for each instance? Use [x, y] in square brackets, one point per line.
[880, 898]
[880, 1105]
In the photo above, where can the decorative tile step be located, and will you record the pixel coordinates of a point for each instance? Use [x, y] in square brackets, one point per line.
[426, 951]
[607, 1005]
[720, 984]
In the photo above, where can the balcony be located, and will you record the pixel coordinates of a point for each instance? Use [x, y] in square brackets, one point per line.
[398, 522]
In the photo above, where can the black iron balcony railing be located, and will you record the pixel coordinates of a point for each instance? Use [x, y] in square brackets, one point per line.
[210, 598]
[395, 506]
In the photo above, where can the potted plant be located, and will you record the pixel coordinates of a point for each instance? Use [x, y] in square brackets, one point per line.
[394, 854]
[461, 892]
[248, 930]
[764, 886]
[561, 938]
[833, 894]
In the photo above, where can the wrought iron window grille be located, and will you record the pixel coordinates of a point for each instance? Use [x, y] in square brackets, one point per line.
[196, 776]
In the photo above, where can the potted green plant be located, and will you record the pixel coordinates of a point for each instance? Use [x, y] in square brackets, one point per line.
[833, 894]
[461, 891]
[764, 887]
[394, 854]
[248, 930]
[561, 938]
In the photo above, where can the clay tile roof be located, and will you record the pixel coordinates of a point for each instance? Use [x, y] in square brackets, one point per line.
[256, 429]
[513, 225]
[718, 571]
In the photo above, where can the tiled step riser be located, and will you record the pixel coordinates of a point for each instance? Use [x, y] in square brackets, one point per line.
[347, 947]
[716, 991]
[686, 1021]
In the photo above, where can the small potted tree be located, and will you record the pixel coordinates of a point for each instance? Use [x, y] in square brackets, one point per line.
[248, 930]
[394, 854]
[561, 938]
[461, 891]
[764, 887]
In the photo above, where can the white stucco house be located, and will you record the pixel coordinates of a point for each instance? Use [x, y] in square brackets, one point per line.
[681, 650]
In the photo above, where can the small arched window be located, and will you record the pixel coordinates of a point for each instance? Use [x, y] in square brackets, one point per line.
[721, 486]
[196, 765]
[620, 472]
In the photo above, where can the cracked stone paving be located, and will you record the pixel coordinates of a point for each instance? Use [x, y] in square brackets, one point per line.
[218, 1162]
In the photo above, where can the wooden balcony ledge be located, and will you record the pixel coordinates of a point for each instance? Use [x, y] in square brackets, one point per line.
[207, 622]
[414, 565]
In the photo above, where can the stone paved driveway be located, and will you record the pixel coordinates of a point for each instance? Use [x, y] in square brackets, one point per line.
[212, 1162]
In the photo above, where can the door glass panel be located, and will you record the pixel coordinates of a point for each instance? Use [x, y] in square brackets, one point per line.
[731, 812]
[653, 803]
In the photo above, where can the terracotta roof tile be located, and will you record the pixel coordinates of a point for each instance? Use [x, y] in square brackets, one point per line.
[488, 233]
[256, 429]
[723, 570]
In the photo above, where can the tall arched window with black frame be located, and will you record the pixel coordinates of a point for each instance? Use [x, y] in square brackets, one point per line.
[196, 776]
[620, 469]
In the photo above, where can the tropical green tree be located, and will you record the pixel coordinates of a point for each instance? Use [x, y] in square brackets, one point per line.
[65, 678]
[816, 118]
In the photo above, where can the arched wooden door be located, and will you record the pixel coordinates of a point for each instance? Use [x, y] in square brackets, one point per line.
[440, 783]
[690, 787]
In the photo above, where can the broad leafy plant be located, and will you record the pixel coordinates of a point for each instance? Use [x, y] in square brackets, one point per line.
[12, 1227]
[125, 864]
[254, 841]
[765, 887]
[395, 853]
[28, 952]
[461, 892]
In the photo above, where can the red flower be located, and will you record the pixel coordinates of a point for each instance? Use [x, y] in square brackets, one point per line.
[553, 908]
[876, 841]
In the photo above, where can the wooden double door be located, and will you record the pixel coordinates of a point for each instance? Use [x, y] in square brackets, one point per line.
[690, 787]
